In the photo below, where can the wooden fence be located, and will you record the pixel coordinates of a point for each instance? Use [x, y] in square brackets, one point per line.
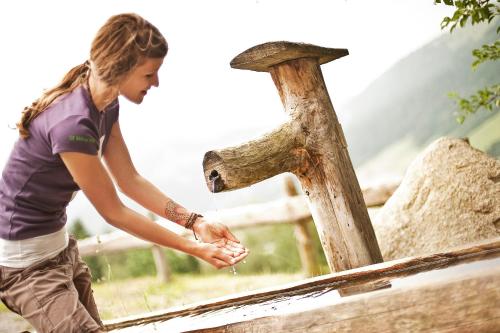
[292, 209]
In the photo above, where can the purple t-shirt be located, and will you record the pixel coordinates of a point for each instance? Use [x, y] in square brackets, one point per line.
[36, 186]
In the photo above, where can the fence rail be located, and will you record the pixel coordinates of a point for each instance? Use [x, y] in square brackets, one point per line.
[291, 209]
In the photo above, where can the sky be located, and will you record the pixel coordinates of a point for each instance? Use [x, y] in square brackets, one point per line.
[202, 103]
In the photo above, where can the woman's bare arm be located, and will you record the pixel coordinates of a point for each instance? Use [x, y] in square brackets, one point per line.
[91, 176]
[136, 187]
[139, 189]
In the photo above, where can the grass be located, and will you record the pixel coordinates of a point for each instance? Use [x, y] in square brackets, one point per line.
[142, 295]
[487, 134]
[128, 297]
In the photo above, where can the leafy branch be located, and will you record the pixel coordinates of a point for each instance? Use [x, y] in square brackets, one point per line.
[475, 11]
[485, 53]
[487, 98]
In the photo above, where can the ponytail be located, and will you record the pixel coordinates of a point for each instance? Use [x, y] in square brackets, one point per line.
[71, 80]
[119, 46]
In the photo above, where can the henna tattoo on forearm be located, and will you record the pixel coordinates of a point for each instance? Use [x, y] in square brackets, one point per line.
[176, 213]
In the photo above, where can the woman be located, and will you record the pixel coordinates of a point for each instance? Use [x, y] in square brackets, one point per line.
[63, 136]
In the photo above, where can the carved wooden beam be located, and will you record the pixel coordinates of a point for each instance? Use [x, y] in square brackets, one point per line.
[311, 145]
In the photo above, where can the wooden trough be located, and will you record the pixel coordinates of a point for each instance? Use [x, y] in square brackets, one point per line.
[455, 291]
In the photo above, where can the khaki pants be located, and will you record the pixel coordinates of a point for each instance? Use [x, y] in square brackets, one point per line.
[54, 295]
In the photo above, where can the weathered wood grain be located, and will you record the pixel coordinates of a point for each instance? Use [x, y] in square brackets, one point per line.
[375, 273]
[326, 172]
[469, 303]
[254, 161]
[310, 265]
[311, 144]
[261, 57]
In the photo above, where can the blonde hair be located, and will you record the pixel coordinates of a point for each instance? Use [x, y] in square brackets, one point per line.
[120, 45]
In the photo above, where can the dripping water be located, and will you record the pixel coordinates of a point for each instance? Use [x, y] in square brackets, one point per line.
[213, 178]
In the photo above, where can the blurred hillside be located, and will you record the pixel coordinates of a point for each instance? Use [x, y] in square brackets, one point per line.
[386, 125]
[407, 107]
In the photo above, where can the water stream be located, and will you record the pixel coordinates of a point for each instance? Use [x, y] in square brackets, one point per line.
[213, 178]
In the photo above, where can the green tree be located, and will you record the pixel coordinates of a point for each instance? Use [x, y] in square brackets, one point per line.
[475, 11]
[95, 263]
[78, 230]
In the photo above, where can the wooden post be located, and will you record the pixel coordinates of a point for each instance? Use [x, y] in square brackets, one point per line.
[162, 268]
[303, 236]
[163, 272]
[311, 145]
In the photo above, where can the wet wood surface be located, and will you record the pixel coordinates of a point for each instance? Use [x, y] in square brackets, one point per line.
[469, 303]
[464, 292]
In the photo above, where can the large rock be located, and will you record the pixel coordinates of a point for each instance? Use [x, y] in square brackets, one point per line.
[450, 196]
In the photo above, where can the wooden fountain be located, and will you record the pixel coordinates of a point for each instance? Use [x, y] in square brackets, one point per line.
[453, 291]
